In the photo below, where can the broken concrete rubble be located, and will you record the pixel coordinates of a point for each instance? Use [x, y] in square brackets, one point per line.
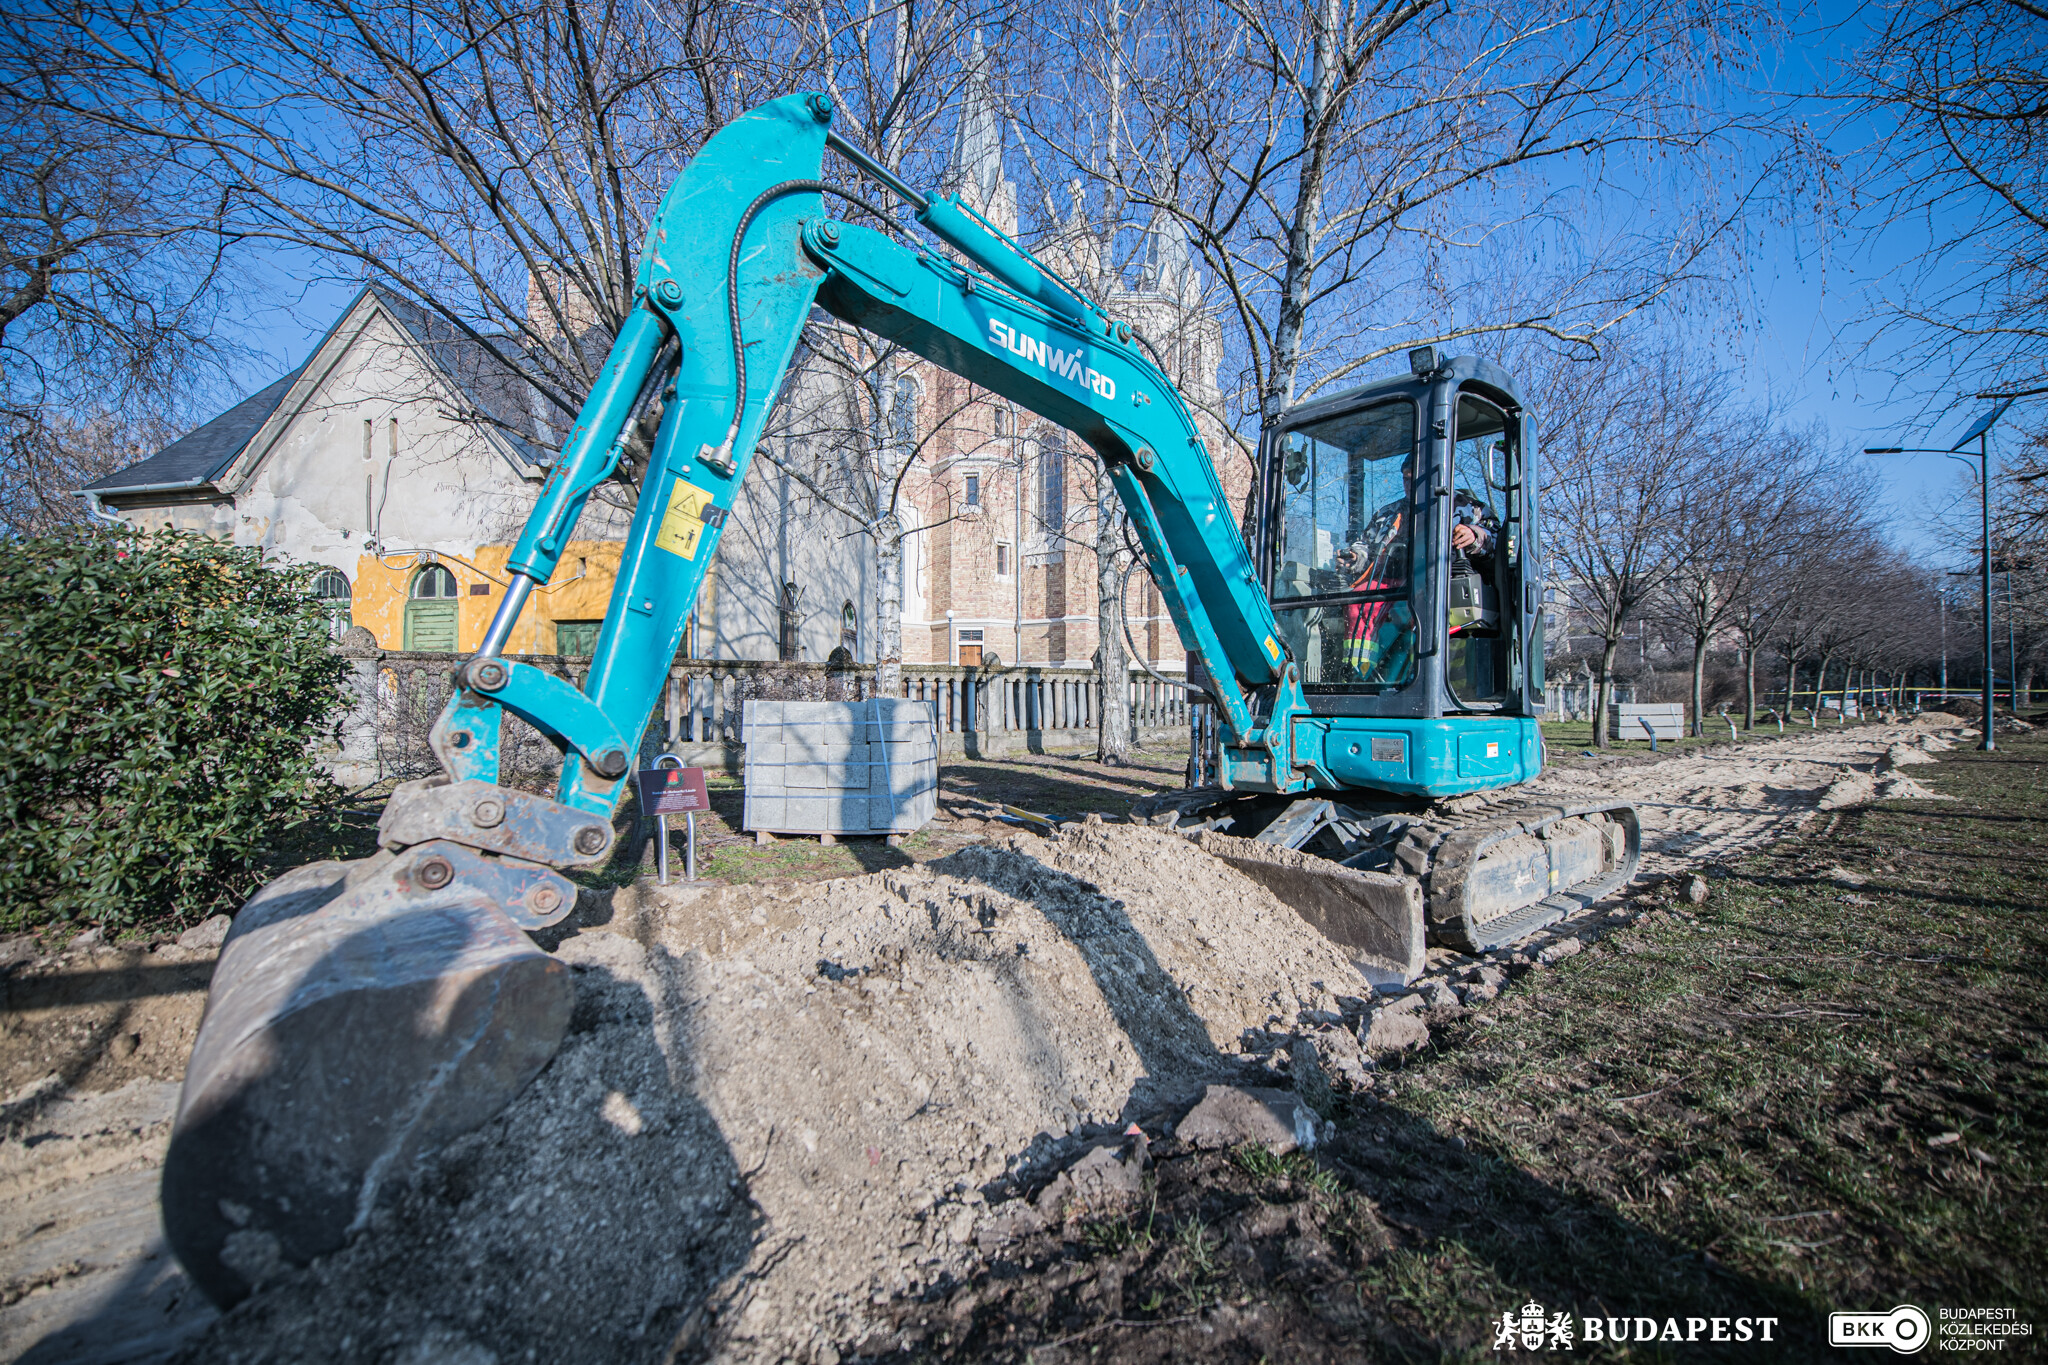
[207, 935]
[1392, 1030]
[1230, 1116]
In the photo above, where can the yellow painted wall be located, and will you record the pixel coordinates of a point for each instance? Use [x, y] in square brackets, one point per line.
[579, 591]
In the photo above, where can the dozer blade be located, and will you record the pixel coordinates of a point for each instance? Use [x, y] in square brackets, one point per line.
[1376, 918]
[362, 1014]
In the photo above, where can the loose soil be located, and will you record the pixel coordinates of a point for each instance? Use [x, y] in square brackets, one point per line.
[786, 1106]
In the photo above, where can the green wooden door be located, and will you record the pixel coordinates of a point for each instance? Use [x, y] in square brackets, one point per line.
[430, 610]
[577, 637]
[430, 626]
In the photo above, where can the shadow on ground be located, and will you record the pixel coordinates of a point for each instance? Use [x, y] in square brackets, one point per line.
[1392, 1242]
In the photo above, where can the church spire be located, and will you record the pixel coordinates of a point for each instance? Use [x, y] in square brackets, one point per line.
[1169, 266]
[975, 170]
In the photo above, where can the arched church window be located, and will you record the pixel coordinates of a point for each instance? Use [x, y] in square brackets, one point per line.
[903, 411]
[1052, 483]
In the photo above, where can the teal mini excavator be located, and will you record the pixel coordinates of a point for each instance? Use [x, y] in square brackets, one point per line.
[1372, 663]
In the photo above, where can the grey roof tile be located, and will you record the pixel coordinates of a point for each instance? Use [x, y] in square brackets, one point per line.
[206, 452]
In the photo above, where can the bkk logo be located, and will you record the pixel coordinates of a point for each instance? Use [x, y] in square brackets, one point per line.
[1066, 364]
[1905, 1329]
[1535, 1331]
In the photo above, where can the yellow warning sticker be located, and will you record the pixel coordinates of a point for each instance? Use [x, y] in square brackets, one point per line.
[683, 525]
[1273, 648]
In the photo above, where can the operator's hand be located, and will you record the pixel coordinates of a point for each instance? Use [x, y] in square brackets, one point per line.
[1465, 537]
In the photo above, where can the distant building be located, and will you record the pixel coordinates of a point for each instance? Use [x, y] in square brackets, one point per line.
[397, 458]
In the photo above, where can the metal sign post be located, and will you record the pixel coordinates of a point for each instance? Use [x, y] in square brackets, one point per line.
[673, 790]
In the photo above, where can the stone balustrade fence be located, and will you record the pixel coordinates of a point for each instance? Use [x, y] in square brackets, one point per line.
[978, 713]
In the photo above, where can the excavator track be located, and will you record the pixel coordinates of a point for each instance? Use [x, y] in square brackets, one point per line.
[1514, 868]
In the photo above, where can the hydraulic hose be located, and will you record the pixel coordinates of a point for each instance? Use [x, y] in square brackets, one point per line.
[732, 291]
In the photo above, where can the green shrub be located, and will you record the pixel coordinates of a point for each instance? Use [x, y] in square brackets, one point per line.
[160, 703]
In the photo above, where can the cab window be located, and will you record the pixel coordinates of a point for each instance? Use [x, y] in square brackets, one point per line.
[1485, 547]
[1343, 548]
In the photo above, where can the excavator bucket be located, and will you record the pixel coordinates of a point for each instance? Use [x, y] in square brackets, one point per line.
[361, 1014]
[1375, 918]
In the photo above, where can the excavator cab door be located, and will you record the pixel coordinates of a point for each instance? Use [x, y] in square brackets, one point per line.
[1481, 642]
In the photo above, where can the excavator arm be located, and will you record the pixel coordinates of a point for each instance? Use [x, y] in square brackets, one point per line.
[365, 1012]
[740, 251]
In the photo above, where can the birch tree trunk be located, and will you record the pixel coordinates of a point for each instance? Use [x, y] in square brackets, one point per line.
[1699, 672]
[889, 606]
[1112, 661]
[1749, 687]
[891, 457]
[1298, 279]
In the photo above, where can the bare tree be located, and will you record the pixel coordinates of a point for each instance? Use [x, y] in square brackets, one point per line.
[1624, 453]
[1958, 90]
[1763, 494]
[496, 164]
[851, 425]
[1352, 174]
[47, 455]
[492, 162]
[111, 278]
[2019, 519]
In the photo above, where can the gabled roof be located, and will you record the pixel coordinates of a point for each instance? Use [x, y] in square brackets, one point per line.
[226, 450]
[202, 455]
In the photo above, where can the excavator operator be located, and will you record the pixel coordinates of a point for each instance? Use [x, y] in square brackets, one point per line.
[1379, 634]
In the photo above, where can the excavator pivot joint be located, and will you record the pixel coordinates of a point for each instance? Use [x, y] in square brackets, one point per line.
[492, 819]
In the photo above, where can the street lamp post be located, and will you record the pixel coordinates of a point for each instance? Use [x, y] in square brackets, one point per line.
[1980, 432]
[1942, 598]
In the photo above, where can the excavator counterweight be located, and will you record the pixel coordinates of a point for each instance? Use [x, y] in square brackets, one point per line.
[1373, 659]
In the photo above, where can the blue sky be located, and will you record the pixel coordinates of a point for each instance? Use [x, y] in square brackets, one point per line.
[1799, 343]
[1807, 347]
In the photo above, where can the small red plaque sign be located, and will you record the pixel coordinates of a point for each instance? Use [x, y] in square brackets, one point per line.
[672, 791]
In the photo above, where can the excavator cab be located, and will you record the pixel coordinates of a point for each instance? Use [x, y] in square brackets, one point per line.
[1392, 611]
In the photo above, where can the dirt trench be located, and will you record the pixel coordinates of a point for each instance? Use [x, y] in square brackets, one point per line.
[779, 1107]
[1705, 804]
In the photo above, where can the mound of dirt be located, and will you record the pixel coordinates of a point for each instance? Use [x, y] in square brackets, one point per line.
[1858, 788]
[1904, 755]
[779, 1107]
